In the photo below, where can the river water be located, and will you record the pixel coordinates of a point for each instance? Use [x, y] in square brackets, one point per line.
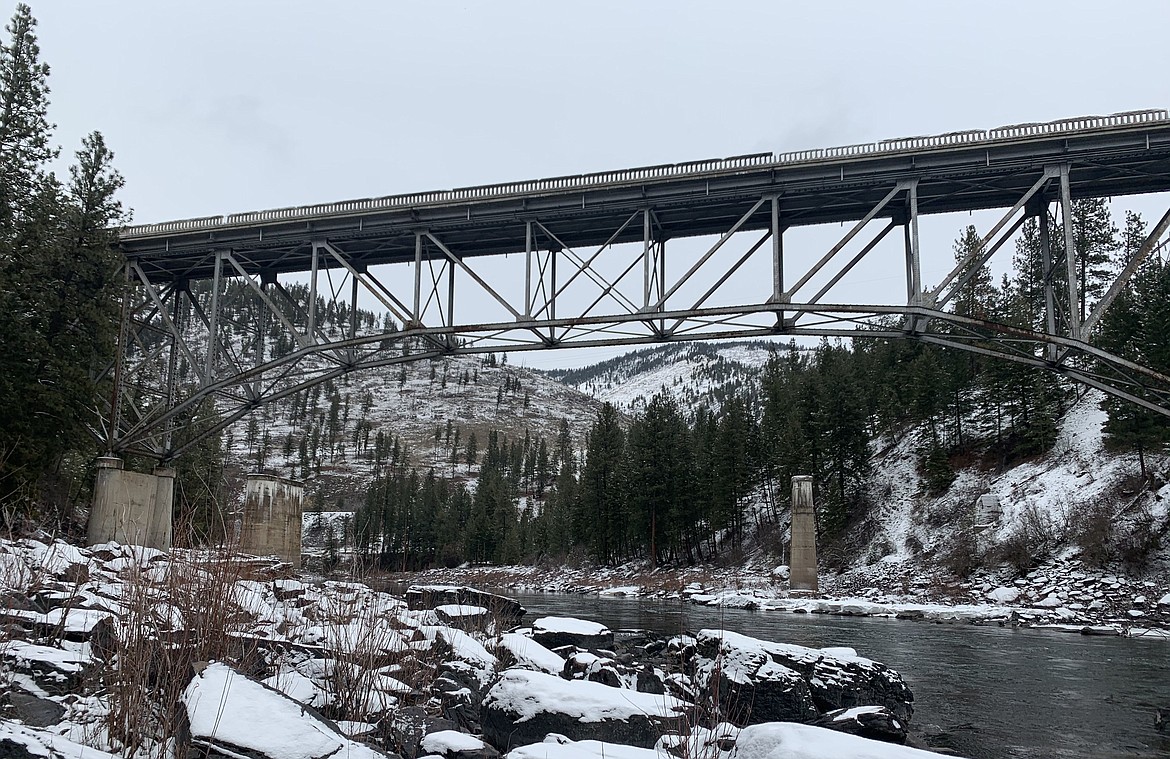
[985, 692]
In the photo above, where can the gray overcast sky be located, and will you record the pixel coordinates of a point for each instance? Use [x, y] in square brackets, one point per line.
[220, 107]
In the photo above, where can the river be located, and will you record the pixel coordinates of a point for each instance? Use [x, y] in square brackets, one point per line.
[986, 692]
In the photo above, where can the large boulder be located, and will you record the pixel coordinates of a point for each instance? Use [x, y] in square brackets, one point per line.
[523, 706]
[783, 740]
[835, 679]
[554, 632]
[874, 722]
[404, 730]
[745, 686]
[231, 716]
[507, 610]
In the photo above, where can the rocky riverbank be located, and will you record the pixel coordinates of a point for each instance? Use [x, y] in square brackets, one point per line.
[118, 650]
[1060, 594]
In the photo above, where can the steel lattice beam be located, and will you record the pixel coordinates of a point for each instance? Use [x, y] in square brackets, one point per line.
[593, 271]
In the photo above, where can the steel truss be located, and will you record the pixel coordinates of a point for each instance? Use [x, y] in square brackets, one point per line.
[177, 351]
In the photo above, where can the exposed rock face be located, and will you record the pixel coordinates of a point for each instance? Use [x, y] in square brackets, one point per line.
[507, 610]
[405, 729]
[30, 710]
[759, 680]
[524, 706]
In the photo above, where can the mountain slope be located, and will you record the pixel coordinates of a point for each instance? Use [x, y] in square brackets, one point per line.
[694, 374]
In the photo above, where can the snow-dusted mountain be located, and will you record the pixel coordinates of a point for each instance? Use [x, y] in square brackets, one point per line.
[695, 374]
[424, 406]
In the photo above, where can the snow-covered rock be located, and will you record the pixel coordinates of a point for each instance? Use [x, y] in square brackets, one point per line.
[529, 654]
[834, 681]
[874, 722]
[523, 707]
[777, 740]
[553, 632]
[1004, 595]
[230, 713]
[19, 741]
[559, 747]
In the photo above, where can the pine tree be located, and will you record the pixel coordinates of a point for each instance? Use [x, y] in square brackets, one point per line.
[600, 518]
[24, 126]
[1137, 327]
[1095, 242]
[57, 276]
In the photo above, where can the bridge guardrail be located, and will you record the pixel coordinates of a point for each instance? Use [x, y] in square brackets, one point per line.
[601, 179]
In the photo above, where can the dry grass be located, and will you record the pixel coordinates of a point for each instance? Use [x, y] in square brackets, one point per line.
[169, 625]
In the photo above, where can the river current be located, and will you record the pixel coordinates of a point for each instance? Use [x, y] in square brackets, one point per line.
[985, 692]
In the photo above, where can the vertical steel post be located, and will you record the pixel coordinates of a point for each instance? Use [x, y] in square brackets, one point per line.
[647, 275]
[450, 293]
[353, 304]
[528, 270]
[552, 298]
[662, 281]
[777, 252]
[913, 259]
[213, 328]
[1046, 269]
[1070, 254]
[173, 362]
[311, 329]
[417, 278]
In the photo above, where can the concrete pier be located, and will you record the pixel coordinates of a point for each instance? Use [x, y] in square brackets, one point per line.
[272, 517]
[131, 507]
[803, 561]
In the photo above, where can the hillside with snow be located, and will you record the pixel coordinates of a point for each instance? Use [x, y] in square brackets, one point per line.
[431, 408]
[694, 374]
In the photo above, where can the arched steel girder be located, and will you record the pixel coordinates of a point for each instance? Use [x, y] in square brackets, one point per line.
[1081, 362]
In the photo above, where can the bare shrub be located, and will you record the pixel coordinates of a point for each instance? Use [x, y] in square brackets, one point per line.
[168, 626]
[1138, 538]
[1035, 537]
[1092, 529]
[961, 557]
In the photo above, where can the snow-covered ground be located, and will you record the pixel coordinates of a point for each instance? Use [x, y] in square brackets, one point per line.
[204, 652]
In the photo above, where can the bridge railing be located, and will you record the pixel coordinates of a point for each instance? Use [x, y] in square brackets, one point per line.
[626, 176]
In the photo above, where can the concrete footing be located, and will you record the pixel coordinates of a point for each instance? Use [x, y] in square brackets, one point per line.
[131, 507]
[272, 517]
[803, 561]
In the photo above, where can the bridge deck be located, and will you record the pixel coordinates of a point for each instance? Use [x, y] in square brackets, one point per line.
[1118, 155]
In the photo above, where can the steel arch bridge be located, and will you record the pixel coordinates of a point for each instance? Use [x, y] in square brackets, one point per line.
[543, 256]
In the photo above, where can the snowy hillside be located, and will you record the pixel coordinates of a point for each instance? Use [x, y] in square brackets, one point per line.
[695, 374]
[1047, 503]
[420, 405]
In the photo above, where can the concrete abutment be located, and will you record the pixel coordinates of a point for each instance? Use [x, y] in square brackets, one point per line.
[272, 517]
[131, 507]
[803, 561]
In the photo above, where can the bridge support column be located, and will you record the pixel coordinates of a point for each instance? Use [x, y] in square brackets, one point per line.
[131, 507]
[803, 561]
[272, 517]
